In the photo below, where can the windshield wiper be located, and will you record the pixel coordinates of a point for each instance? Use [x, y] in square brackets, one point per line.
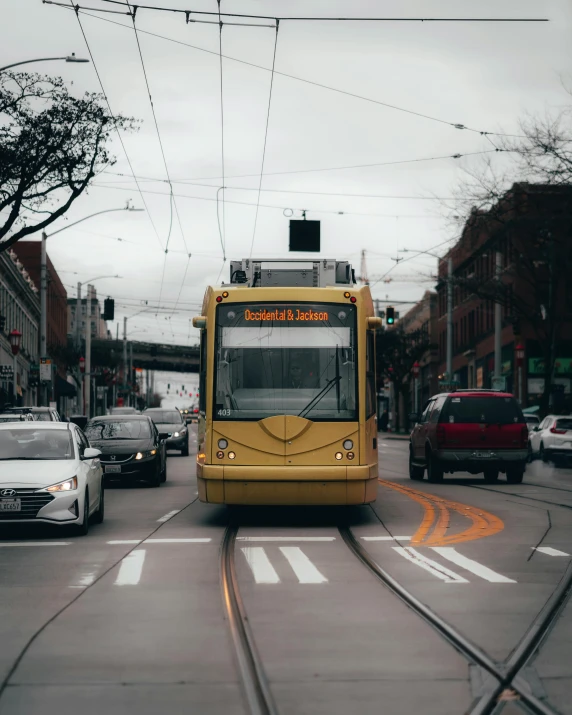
[314, 401]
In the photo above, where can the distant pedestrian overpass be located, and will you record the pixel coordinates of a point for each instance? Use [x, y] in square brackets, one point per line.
[149, 356]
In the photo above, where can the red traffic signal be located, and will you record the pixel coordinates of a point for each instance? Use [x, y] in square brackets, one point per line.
[82, 364]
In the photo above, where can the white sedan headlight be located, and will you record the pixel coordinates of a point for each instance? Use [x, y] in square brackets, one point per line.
[69, 485]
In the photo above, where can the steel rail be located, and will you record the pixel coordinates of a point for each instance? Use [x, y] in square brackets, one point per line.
[506, 674]
[254, 681]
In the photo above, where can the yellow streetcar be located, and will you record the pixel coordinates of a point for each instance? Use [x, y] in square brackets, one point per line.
[287, 411]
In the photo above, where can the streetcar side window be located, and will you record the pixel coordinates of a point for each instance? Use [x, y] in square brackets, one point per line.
[370, 374]
[203, 374]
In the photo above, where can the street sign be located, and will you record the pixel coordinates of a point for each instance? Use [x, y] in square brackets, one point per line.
[449, 386]
[498, 383]
[45, 369]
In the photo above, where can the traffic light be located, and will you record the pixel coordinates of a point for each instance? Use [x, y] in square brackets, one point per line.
[390, 315]
[108, 309]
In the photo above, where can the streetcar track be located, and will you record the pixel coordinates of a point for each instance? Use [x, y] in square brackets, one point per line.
[507, 674]
[254, 682]
[37, 633]
[521, 496]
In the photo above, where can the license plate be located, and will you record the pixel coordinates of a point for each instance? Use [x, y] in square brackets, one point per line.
[10, 505]
[113, 469]
[483, 455]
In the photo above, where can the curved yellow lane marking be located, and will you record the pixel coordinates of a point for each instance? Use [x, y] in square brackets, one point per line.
[431, 533]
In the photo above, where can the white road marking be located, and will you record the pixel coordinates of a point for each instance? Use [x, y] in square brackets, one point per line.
[433, 567]
[36, 543]
[285, 538]
[86, 580]
[178, 541]
[386, 538]
[261, 568]
[449, 552]
[131, 569]
[550, 551]
[168, 516]
[302, 566]
[125, 541]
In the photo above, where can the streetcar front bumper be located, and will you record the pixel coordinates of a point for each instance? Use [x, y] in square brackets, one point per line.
[286, 485]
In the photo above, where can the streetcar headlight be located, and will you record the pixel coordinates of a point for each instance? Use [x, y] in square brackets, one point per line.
[348, 444]
[222, 444]
[231, 455]
[350, 455]
[220, 455]
[339, 456]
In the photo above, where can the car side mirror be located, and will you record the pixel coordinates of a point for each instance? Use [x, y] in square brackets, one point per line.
[414, 417]
[91, 453]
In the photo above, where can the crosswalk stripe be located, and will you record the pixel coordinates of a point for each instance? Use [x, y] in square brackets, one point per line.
[550, 551]
[36, 543]
[285, 538]
[449, 553]
[131, 569]
[302, 566]
[433, 567]
[168, 516]
[260, 565]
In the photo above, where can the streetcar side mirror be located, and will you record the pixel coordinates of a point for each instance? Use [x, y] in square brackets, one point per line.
[414, 417]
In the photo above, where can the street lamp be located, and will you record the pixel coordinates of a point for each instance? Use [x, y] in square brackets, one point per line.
[69, 58]
[44, 274]
[449, 306]
[15, 338]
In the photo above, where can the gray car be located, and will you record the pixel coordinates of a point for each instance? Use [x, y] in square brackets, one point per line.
[171, 422]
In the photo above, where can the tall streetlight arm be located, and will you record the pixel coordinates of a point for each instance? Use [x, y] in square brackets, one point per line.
[68, 58]
[97, 213]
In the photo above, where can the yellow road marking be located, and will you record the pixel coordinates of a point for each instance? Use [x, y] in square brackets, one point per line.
[429, 533]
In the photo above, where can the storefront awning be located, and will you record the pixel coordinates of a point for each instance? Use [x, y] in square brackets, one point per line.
[64, 388]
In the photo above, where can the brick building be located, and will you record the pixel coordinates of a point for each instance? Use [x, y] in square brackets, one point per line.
[531, 228]
[422, 318]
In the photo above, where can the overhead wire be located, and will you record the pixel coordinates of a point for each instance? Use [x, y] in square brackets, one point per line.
[455, 125]
[337, 19]
[265, 137]
[113, 116]
[223, 233]
[249, 203]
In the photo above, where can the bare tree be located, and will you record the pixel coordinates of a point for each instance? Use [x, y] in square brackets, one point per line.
[52, 144]
[527, 211]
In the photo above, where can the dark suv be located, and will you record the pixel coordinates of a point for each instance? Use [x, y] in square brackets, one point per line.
[475, 431]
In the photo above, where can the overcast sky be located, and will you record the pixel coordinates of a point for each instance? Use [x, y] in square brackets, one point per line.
[485, 76]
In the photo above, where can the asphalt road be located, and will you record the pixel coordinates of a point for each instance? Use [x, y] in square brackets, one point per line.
[130, 619]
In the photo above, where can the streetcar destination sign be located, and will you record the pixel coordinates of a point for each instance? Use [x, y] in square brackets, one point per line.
[292, 314]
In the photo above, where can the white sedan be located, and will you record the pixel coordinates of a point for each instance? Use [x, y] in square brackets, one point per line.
[49, 473]
[552, 438]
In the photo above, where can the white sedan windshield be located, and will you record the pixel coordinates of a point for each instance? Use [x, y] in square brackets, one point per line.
[35, 444]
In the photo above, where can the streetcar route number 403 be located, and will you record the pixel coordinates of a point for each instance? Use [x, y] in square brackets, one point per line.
[223, 413]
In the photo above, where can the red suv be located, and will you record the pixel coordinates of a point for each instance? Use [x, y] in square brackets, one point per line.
[476, 431]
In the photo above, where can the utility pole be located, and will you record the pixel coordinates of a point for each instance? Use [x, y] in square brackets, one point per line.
[132, 388]
[125, 353]
[498, 316]
[88, 353]
[43, 310]
[78, 316]
[450, 318]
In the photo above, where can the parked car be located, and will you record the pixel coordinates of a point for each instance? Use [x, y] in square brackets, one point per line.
[171, 423]
[551, 439]
[15, 417]
[131, 448]
[531, 421]
[40, 414]
[475, 431]
[50, 474]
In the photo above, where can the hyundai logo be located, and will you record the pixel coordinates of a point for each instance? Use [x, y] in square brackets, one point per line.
[8, 492]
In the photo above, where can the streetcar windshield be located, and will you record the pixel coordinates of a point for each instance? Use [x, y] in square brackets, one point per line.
[285, 359]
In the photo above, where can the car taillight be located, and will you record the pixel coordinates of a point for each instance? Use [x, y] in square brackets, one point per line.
[196, 411]
[441, 435]
[557, 431]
